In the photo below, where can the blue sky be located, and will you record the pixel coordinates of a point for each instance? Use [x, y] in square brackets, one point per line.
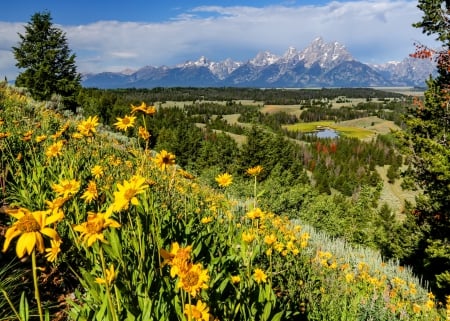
[116, 35]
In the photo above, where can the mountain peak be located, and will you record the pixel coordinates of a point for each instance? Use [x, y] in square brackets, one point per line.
[319, 64]
[264, 58]
[327, 55]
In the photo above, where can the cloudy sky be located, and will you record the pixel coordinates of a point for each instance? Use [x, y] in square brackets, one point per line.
[114, 35]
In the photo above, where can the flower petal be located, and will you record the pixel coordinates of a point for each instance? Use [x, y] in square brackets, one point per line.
[25, 244]
[11, 233]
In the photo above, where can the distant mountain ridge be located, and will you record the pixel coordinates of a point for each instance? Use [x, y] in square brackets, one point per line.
[320, 64]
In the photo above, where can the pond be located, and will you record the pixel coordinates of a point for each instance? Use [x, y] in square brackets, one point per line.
[326, 133]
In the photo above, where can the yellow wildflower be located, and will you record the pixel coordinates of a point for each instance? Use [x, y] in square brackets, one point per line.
[109, 277]
[255, 171]
[127, 192]
[125, 122]
[97, 171]
[206, 220]
[259, 276]
[88, 127]
[235, 279]
[54, 149]
[178, 258]
[66, 187]
[224, 180]
[27, 135]
[77, 135]
[164, 159]
[270, 239]
[92, 230]
[31, 226]
[56, 204]
[248, 237]
[53, 251]
[198, 312]
[90, 193]
[194, 279]
[149, 110]
[255, 214]
[143, 133]
[40, 138]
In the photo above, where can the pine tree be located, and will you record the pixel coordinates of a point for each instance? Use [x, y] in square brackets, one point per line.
[48, 62]
[428, 140]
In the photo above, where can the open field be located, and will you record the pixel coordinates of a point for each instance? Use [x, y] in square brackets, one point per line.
[239, 139]
[290, 109]
[362, 128]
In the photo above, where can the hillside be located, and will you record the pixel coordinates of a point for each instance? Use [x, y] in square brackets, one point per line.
[114, 230]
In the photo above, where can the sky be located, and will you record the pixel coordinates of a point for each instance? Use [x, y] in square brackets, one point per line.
[116, 35]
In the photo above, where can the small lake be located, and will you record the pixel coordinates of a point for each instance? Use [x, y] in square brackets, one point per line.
[326, 133]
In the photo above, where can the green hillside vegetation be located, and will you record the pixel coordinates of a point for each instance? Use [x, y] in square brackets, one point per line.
[149, 217]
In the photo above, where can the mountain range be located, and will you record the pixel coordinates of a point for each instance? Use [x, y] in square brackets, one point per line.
[320, 64]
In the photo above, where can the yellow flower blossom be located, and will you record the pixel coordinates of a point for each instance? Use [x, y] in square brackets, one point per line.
[194, 279]
[224, 180]
[56, 204]
[127, 192]
[97, 171]
[92, 230]
[164, 159]
[90, 193]
[4, 135]
[255, 214]
[66, 187]
[198, 312]
[235, 279]
[88, 127]
[54, 150]
[109, 278]
[148, 110]
[178, 258]
[143, 133]
[248, 237]
[53, 251]
[270, 239]
[206, 220]
[40, 138]
[125, 122]
[30, 226]
[255, 171]
[259, 276]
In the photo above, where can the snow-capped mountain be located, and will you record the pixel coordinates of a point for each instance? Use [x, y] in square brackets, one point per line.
[408, 71]
[320, 64]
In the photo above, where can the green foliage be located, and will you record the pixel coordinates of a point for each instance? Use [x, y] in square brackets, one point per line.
[49, 65]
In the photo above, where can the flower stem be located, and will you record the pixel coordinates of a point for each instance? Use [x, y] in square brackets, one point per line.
[36, 288]
[108, 292]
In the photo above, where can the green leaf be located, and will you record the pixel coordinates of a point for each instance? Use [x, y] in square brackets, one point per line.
[23, 307]
[267, 311]
[277, 317]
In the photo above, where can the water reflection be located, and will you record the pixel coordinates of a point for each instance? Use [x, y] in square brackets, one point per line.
[326, 133]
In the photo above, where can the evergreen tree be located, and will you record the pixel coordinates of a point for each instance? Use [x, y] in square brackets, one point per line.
[427, 138]
[49, 65]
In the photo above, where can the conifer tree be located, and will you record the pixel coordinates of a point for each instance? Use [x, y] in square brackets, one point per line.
[429, 143]
[48, 62]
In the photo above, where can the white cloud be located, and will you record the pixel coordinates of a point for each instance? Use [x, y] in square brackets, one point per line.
[373, 31]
